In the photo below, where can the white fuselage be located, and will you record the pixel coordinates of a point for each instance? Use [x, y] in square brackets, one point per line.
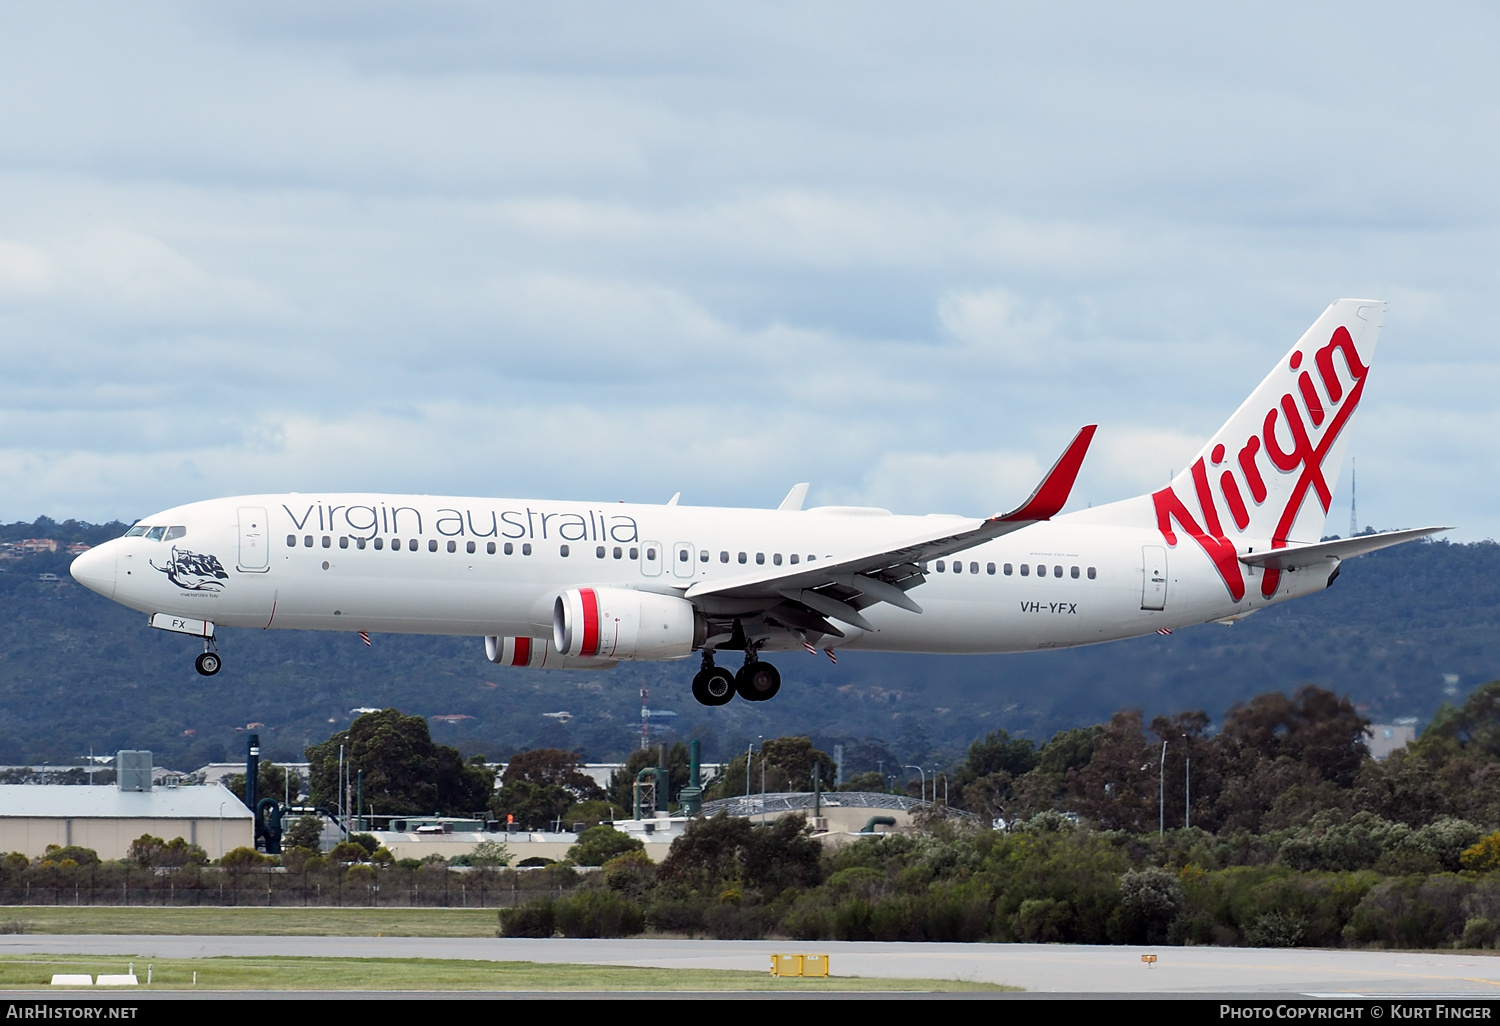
[488, 567]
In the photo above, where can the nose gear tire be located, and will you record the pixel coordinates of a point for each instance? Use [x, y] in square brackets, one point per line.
[207, 664]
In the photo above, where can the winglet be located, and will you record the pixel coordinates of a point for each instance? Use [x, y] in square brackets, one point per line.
[794, 498]
[1052, 494]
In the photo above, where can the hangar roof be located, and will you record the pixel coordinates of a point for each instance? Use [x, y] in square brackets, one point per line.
[106, 801]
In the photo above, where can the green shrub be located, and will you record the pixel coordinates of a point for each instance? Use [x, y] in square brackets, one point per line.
[598, 913]
[536, 918]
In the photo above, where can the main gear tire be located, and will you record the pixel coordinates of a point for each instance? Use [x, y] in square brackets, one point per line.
[713, 686]
[757, 682]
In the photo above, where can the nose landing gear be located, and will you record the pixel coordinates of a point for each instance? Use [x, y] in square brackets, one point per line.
[208, 663]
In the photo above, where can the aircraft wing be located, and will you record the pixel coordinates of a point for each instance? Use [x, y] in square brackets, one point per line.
[839, 589]
[1296, 557]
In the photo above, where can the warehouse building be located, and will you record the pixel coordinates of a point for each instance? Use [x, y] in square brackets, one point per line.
[107, 818]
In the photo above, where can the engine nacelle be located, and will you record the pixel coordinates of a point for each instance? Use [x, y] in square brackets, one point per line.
[537, 654]
[620, 623]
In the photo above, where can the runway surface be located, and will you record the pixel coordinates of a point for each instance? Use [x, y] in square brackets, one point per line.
[1048, 968]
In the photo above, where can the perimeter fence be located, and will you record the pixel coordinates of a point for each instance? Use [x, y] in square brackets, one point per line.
[361, 886]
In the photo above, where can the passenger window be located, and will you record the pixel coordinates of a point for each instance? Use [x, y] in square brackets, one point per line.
[343, 541]
[489, 548]
[562, 550]
[1025, 570]
[703, 556]
[470, 547]
[291, 541]
[793, 558]
[743, 557]
[173, 533]
[650, 555]
[432, 545]
[307, 541]
[1091, 573]
[510, 549]
[452, 545]
[395, 544]
[811, 558]
[599, 552]
[1073, 573]
[776, 559]
[327, 542]
[635, 553]
[723, 557]
[974, 568]
[526, 548]
[412, 545]
[682, 556]
[156, 532]
[618, 552]
[989, 568]
[1006, 569]
[760, 559]
[359, 543]
[1057, 571]
[958, 567]
[379, 544]
[940, 565]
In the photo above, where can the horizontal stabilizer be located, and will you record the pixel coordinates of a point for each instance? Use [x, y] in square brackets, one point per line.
[1294, 557]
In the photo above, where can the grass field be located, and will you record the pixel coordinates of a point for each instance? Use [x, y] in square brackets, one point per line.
[333, 974]
[283, 922]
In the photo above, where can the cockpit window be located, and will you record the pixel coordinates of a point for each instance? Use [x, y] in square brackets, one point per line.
[173, 533]
[155, 533]
[137, 531]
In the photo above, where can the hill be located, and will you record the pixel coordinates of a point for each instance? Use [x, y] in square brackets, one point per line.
[1400, 632]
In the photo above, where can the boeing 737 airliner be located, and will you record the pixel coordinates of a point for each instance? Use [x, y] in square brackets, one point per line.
[574, 585]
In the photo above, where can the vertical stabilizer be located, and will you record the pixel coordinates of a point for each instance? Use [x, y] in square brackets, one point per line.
[1267, 475]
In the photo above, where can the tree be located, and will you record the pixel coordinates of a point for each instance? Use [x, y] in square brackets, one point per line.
[724, 849]
[597, 845]
[540, 785]
[272, 782]
[553, 766]
[307, 833]
[405, 773]
[788, 764]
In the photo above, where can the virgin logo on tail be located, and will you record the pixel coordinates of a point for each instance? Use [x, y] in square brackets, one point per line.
[1309, 424]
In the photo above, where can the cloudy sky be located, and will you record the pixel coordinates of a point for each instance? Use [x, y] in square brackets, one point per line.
[614, 251]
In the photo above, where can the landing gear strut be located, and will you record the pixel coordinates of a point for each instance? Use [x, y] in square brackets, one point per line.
[757, 681]
[208, 663]
[713, 685]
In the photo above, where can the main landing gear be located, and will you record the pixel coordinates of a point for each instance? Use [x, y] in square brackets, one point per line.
[713, 685]
[756, 681]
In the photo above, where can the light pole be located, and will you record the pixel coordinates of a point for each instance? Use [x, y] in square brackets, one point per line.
[1161, 799]
[1187, 800]
[924, 779]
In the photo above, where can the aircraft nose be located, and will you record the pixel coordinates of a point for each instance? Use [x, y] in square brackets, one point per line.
[95, 569]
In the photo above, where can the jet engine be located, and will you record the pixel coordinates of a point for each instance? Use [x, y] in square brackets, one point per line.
[620, 623]
[537, 654]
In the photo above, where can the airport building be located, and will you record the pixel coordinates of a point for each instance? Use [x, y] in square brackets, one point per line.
[107, 818]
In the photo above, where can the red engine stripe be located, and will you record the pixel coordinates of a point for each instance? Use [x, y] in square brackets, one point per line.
[590, 647]
[523, 652]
